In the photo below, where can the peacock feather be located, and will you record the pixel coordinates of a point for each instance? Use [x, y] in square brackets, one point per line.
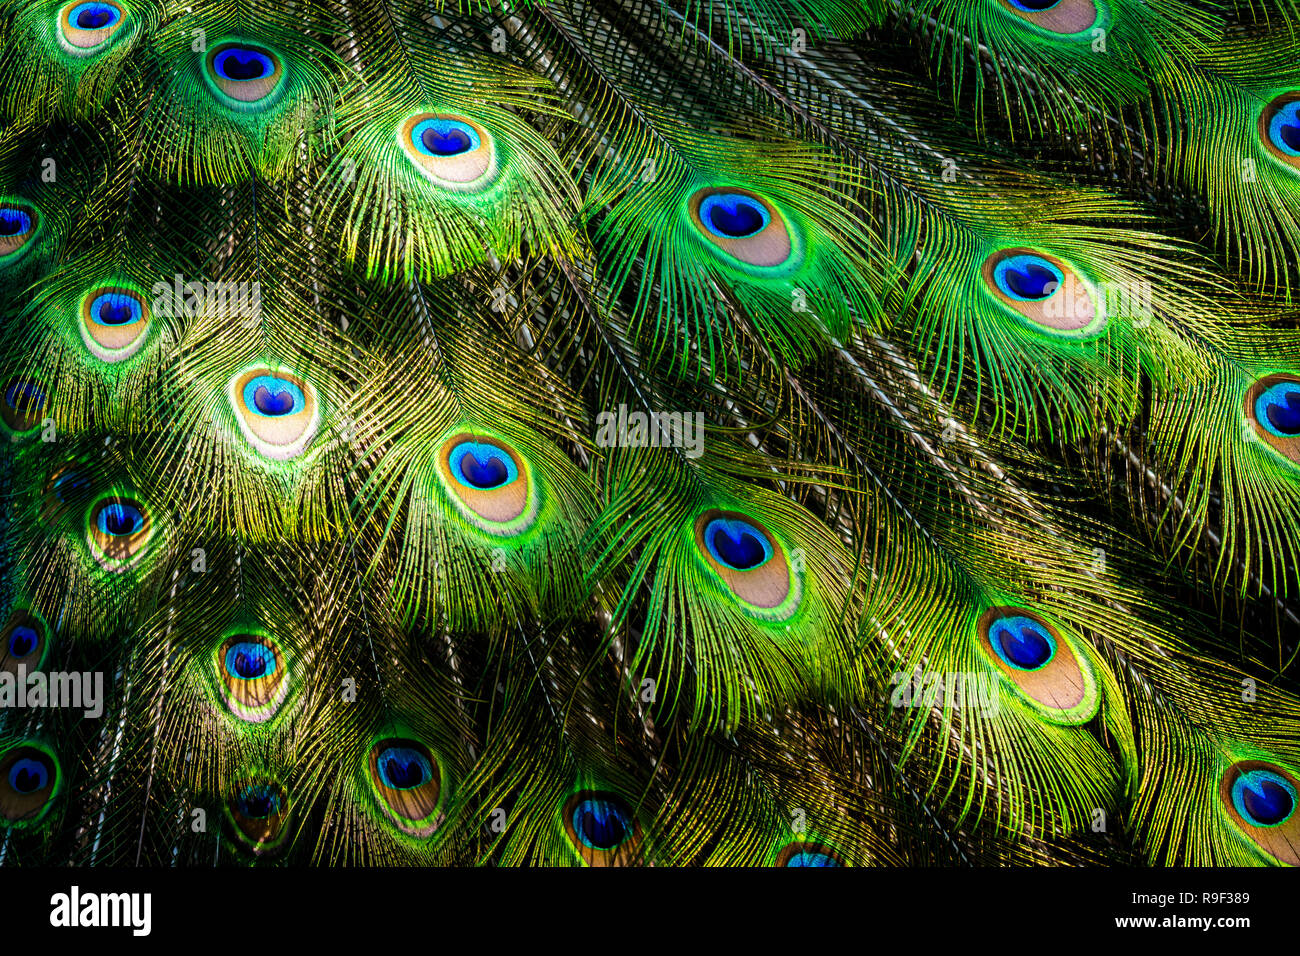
[649, 432]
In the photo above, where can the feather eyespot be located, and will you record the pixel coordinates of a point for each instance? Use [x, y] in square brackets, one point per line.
[253, 676]
[22, 641]
[406, 779]
[1064, 17]
[737, 544]
[66, 489]
[482, 466]
[276, 410]
[30, 778]
[452, 151]
[118, 529]
[1263, 798]
[1279, 129]
[22, 405]
[490, 483]
[1260, 799]
[743, 225]
[601, 828]
[259, 810]
[1022, 642]
[802, 853]
[244, 76]
[20, 223]
[1040, 662]
[86, 28]
[114, 322]
[750, 562]
[1044, 290]
[1272, 406]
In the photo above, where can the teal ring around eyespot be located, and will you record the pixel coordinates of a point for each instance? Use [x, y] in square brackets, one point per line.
[276, 386]
[264, 654]
[1015, 623]
[733, 528]
[1287, 115]
[482, 451]
[116, 299]
[407, 755]
[442, 126]
[1262, 776]
[1274, 395]
[119, 508]
[1019, 262]
[729, 203]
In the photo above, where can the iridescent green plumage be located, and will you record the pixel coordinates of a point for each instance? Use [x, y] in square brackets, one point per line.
[636, 432]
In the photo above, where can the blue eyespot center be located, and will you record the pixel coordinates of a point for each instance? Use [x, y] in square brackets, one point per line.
[94, 16]
[811, 858]
[242, 64]
[116, 308]
[273, 397]
[734, 215]
[482, 466]
[601, 823]
[1284, 128]
[440, 136]
[70, 486]
[737, 544]
[249, 660]
[1022, 642]
[273, 403]
[28, 776]
[24, 395]
[14, 221]
[259, 801]
[483, 474]
[118, 519]
[404, 768]
[1278, 409]
[23, 641]
[1263, 798]
[1034, 6]
[1027, 277]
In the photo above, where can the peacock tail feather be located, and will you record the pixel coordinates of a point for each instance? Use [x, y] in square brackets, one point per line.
[649, 432]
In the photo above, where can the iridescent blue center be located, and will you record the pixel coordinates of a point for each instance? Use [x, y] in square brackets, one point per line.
[601, 823]
[24, 395]
[445, 137]
[273, 397]
[116, 308]
[482, 466]
[403, 768]
[811, 858]
[118, 519]
[28, 776]
[1027, 277]
[23, 640]
[94, 16]
[258, 801]
[1263, 798]
[733, 215]
[70, 485]
[249, 660]
[14, 221]
[1022, 642]
[1284, 128]
[242, 64]
[737, 544]
[1034, 6]
[1277, 408]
